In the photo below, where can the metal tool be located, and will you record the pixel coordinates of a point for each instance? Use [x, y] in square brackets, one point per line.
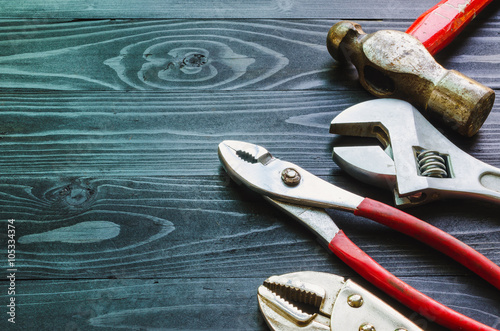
[419, 164]
[397, 65]
[296, 191]
[317, 301]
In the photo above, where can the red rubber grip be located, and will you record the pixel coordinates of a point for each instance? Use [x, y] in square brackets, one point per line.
[373, 272]
[432, 236]
[438, 26]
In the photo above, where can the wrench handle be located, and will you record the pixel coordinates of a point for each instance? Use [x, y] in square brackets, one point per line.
[432, 236]
[490, 181]
[373, 272]
[438, 26]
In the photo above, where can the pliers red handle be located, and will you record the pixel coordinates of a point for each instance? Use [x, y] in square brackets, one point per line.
[352, 255]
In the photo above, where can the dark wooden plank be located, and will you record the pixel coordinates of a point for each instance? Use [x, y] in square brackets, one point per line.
[163, 134]
[157, 227]
[85, 209]
[124, 217]
[213, 9]
[166, 55]
[180, 247]
[198, 303]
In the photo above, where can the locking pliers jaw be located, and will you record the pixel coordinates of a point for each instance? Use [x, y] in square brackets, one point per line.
[317, 301]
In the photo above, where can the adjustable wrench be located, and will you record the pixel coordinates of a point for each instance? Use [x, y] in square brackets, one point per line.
[419, 164]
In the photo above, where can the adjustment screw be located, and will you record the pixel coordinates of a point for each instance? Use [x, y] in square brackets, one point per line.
[366, 327]
[355, 301]
[290, 177]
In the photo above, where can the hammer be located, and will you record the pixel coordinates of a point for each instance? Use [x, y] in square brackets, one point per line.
[401, 65]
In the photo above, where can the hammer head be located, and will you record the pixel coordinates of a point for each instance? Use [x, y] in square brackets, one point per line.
[395, 64]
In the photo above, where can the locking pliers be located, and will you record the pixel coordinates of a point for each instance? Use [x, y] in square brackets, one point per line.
[317, 301]
[416, 162]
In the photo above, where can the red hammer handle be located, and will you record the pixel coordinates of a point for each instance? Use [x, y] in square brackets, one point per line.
[438, 26]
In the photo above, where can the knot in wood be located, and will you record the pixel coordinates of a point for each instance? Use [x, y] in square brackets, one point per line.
[194, 60]
[76, 194]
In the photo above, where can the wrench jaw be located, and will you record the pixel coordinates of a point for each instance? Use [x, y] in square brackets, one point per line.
[401, 130]
[391, 166]
[369, 164]
[373, 165]
[381, 119]
[427, 165]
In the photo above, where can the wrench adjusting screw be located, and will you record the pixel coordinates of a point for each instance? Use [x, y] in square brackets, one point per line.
[355, 300]
[290, 177]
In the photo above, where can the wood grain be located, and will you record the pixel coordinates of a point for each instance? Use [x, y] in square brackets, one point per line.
[217, 304]
[192, 247]
[166, 55]
[111, 185]
[157, 227]
[110, 117]
[212, 9]
[143, 133]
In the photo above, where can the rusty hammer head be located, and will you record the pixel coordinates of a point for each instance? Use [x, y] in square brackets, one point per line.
[397, 65]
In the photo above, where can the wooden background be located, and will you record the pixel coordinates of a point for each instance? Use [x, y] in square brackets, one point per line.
[110, 116]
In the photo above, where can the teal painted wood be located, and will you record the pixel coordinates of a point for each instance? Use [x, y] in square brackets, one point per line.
[192, 226]
[166, 55]
[208, 304]
[172, 247]
[177, 134]
[110, 116]
[213, 9]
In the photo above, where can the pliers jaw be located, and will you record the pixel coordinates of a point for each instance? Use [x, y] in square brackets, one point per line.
[317, 301]
[256, 168]
[243, 161]
[297, 301]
